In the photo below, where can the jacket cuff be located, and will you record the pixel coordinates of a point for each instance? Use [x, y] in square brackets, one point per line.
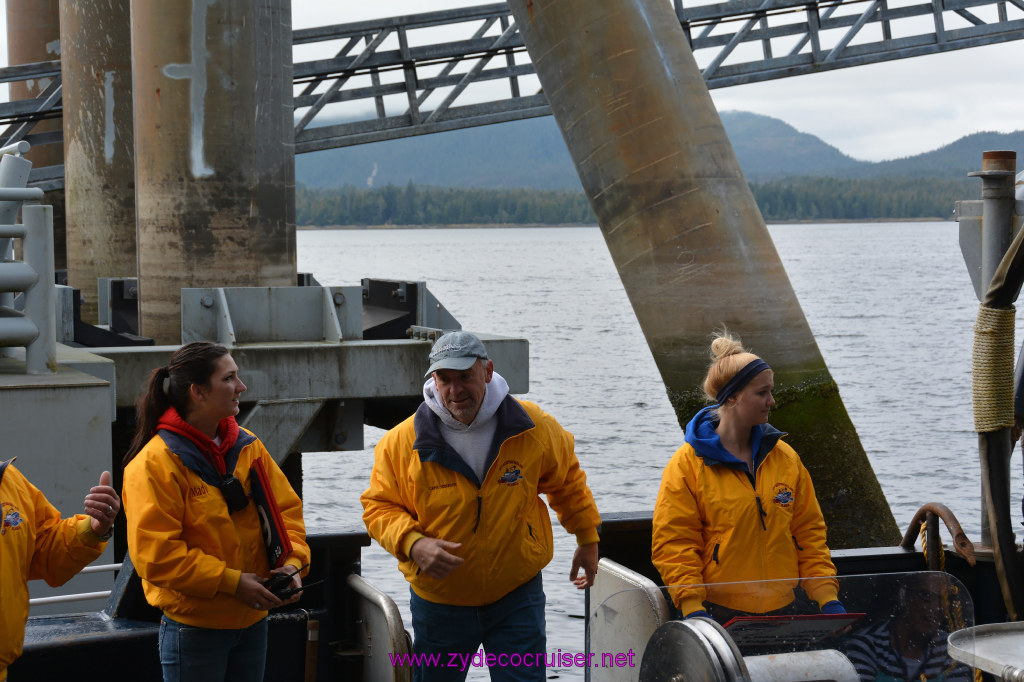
[408, 541]
[833, 595]
[88, 535]
[825, 593]
[586, 537]
[691, 604]
[229, 580]
[296, 564]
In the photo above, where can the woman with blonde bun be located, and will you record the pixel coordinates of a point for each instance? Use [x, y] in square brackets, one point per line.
[737, 506]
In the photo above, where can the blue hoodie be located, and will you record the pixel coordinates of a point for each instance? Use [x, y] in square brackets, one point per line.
[700, 433]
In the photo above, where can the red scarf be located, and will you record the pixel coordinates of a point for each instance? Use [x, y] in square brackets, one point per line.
[227, 429]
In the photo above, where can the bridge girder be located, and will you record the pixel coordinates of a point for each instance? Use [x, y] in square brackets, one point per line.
[426, 73]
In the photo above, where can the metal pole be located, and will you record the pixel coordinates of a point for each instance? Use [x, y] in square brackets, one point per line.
[685, 232]
[992, 371]
[997, 193]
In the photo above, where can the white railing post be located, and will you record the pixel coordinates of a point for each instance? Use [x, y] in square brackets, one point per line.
[41, 353]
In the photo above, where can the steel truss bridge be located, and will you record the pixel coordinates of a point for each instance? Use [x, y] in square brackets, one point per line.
[396, 77]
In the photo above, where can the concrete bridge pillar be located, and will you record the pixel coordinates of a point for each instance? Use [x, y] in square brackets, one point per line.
[685, 232]
[214, 155]
[99, 166]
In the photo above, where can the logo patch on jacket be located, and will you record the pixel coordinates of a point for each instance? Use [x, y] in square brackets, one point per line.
[12, 519]
[513, 473]
[783, 496]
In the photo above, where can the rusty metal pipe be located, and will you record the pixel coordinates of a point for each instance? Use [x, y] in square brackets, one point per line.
[929, 512]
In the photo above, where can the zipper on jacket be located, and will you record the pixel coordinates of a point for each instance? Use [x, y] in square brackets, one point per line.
[530, 528]
[797, 544]
[714, 555]
[761, 512]
[479, 506]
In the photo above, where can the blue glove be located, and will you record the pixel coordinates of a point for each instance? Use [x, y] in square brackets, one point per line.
[697, 614]
[834, 606]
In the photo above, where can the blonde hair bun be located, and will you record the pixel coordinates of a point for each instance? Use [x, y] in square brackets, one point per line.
[728, 356]
[724, 345]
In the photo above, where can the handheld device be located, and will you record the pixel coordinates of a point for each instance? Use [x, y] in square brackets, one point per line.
[289, 591]
[234, 493]
[281, 581]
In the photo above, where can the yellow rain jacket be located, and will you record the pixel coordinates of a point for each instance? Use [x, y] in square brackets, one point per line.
[419, 487]
[188, 549]
[35, 542]
[713, 524]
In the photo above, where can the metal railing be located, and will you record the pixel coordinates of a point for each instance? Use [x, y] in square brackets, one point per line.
[393, 78]
[35, 327]
[80, 596]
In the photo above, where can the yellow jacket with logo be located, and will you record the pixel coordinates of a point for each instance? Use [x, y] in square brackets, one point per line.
[419, 487]
[713, 524]
[35, 542]
[188, 549]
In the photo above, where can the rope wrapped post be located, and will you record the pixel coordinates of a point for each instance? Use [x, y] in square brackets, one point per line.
[1002, 274]
[992, 369]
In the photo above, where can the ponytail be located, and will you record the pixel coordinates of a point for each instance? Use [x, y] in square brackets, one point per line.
[168, 386]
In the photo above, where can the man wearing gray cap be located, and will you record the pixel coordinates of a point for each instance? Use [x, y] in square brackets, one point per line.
[454, 495]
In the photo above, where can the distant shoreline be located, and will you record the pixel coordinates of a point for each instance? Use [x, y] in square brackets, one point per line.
[478, 226]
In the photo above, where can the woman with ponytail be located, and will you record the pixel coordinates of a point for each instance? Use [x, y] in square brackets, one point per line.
[194, 534]
[737, 506]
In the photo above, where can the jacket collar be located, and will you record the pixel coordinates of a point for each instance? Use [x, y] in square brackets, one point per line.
[192, 457]
[431, 446]
[700, 434]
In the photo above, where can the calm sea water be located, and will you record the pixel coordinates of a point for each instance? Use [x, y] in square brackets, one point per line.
[890, 304]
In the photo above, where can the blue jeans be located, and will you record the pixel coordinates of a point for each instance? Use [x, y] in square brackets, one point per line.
[193, 654]
[511, 630]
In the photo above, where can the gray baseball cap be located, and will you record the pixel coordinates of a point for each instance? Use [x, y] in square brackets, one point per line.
[455, 350]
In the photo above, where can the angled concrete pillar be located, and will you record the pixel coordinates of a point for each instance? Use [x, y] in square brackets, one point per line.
[685, 233]
[213, 150]
[99, 167]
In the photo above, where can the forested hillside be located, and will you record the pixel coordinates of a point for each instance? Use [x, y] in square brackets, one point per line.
[413, 205]
[521, 173]
[779, 200]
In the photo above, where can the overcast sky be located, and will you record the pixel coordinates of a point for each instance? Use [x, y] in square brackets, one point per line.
[876, 112]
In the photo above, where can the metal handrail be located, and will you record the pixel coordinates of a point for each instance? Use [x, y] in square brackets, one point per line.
[79, 596]
[68, 598]
[19, 147]
[35, 328]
